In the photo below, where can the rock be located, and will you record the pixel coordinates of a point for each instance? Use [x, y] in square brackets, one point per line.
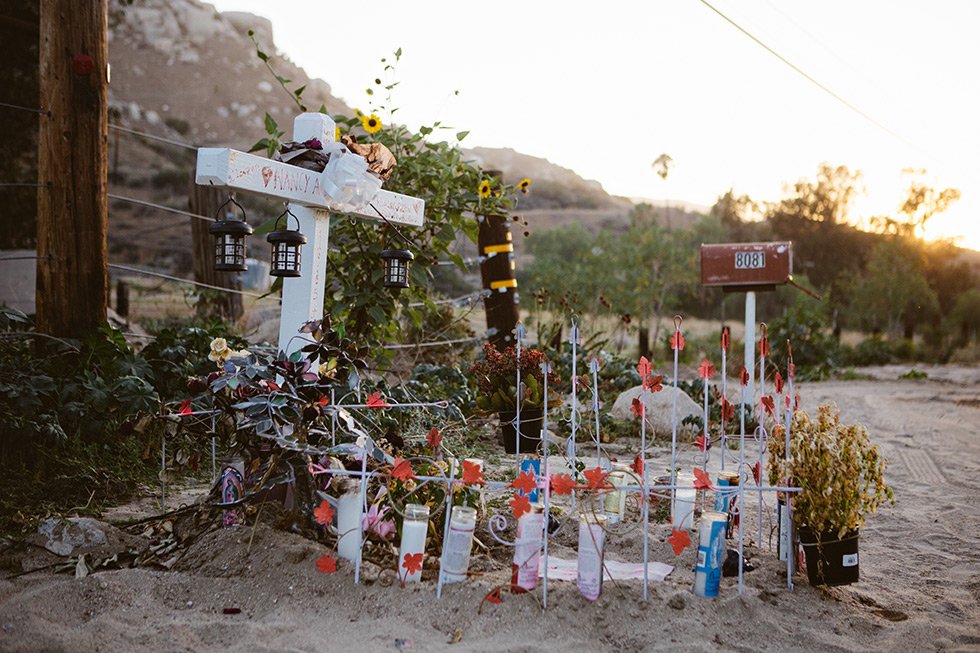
[62, 537]
[678, 601]
[659, 408]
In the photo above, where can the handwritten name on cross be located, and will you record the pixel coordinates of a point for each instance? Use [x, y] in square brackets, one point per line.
[302, 297]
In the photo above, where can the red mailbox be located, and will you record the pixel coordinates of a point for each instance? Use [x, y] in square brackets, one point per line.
[747, 266]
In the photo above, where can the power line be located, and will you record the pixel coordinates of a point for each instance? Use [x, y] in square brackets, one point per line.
[812, 80]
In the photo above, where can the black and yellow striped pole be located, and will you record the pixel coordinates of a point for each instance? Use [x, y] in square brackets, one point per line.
[497, 272]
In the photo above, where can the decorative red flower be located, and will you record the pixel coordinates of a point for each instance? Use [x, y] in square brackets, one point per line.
[324, 513]
[703, 444]
[595, 477]
[472, 473]
[764, 345]
[757, 472]
[677, 341]
[724, 339]
[638, 407]
[779, 384]
[679, 540]
[520, 504]
[743, 376]
[323, 400]
[562, 484]
[655, 384]
[524, 482]
[701, 479]
[412, 563]
[706, 369]
[185, 407]
[402, 470]
[375, 400]
[326, 564]
[434, 438]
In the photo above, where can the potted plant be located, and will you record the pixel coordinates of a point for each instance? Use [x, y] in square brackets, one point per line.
[841, 476]
[496, 378]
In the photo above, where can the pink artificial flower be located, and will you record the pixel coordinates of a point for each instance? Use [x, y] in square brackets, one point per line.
[373, 523]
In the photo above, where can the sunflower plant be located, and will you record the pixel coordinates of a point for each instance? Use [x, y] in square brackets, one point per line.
[433, 169]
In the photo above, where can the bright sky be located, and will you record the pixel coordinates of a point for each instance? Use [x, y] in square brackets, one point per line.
[603, 88]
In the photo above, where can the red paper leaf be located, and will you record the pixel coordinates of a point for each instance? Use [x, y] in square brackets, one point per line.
[525, 482]
[679, 540]
[412, 562]
[324, 513]
[323, 400]
[655, 384]
[743, 376]
[727, 409]
[434, 438]
[757, 472]
[764, 346]
[706, 369]
[645, 368]
[677, 341]
[724, 339]
[472, 473]
[638, 408]
[779, 384]
[769, 405]
[185, 407]
[402, 470]
[595, 477]
[638, 465]
[562, 484]
[494, 596]
[375, 400]
[701, 479]
[326, 564]
[520, 505]
[702, 443]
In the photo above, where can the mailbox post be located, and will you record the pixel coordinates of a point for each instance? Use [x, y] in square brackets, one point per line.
[748, 268]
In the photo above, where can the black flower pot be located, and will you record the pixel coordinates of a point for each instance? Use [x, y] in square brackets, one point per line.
[829, 560]
[532, 421]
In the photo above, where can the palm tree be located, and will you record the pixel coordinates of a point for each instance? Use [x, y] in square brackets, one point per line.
[662, 166]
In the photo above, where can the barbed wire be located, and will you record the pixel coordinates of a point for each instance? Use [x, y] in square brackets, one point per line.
[191, 282]
[152, 137]
[160, 206]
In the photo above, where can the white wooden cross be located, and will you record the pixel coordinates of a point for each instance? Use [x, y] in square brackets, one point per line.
[302, 297]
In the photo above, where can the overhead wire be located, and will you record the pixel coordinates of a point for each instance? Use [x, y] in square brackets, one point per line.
[812, 80]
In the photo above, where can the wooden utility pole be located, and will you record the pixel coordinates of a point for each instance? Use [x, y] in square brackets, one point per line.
[72, 270]
[205, 200]
[497, 273]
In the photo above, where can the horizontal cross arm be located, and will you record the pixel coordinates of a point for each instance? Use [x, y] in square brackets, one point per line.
[227, 168]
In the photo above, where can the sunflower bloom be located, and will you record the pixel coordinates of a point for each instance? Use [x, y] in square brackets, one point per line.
[484, 188]
[523, 185]
[372, 124]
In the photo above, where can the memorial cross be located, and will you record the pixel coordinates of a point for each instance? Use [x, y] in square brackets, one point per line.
[302, 297]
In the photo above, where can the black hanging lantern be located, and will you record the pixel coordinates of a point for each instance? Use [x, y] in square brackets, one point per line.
[396, 267]
[229, 241]
[286, 248]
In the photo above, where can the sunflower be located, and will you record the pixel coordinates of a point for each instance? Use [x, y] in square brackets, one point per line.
[523, 185]
[484, 188]
[372, 123]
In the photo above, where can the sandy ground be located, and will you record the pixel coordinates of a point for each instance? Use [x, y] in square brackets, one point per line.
[919, 587]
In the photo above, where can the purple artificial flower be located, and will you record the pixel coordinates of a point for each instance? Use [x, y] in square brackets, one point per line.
[313, 144]
[373, 523]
